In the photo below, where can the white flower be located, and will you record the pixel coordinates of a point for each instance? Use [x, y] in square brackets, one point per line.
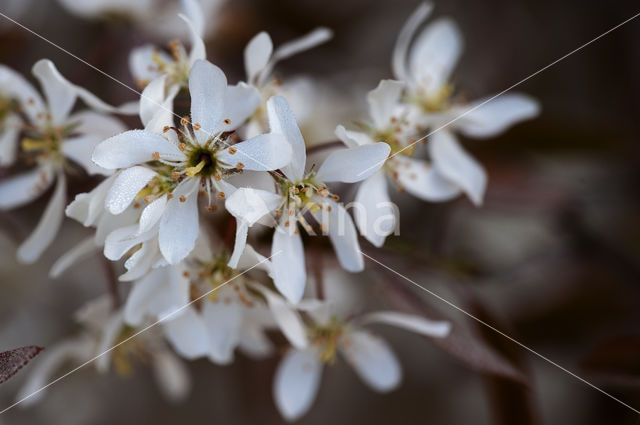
[234, 313]
[102, 329]
[297, 378]
[163, 75]
[176, 166]
[426, 67]
[259, 60]
[299, 192]
[392, 124]
[55, 138]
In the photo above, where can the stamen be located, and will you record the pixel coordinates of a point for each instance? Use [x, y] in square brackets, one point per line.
[192, 171]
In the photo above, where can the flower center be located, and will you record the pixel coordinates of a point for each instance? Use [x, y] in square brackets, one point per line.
[326, 338]
[434, 102]
[202, 162]
[45, 144]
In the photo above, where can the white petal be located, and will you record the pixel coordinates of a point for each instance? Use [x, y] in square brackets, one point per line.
[287, 317]
[223, 321]
[47, 228]
[121, 240]
[455, 164]
[126, 187]
[293, 47]
[152, 214]
[108, 336]
[289, 272]
[420, 179]
[343, 235]
[353, 164]
[133, 147]
[187, 334]
[87, 207]
[374, 213]
[48, 364]
[9, 131]
[240, 242]
[254, 343]
[383, 102]
[282, 121]
[252, 204]
[80, 149]
[179, 225]
[142, 261]
[83, 249]
[163, 292]
[257, 54]
[399, 60]
[198, 49]
[193, 12]
[207, 86]
[96, 124]
[60, 93]
[373, 360]
[265, 152]
[142, 65]
[353, 138]
[296, 383]
[15, 86]
[252, 259]
[426, 327]
[151, 97]
[172, 376]
[434, 55]
[24, 188]
[163, 114]
[495, 116]
[240, 102]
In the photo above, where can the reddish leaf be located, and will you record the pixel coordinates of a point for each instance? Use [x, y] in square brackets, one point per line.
[12, 361]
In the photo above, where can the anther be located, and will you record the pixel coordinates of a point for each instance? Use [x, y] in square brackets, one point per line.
[221, 195]
[184, 121]
[227, 121]
[232, 150]
[183, 198]
[169, 196]
[156, 156]
[197, 126]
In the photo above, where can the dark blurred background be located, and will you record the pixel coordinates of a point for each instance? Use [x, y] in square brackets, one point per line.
[552, 258]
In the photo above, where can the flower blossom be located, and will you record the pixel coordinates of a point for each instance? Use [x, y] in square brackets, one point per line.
[53, 138]
[299, 191]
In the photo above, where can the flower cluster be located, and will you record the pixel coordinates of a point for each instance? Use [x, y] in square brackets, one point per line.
[186, 193]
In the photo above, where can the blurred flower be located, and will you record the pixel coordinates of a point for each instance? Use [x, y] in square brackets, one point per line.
[54, 138]
[297, 378]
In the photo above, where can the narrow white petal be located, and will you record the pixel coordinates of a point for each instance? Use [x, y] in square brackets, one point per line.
[179, 225]
[242, 229]
[418, 324]
[83, 249]
[108, 335]
[15, 86]
[88, 207]
[97, 124]
[434, 55]
[187, 334]
[353, 164]
[60, 93]
[151, 98]
[152, 214]
[495, 116]
[343, 236]
[455, 164]
[257, 54]
[47, 228]
[133, 147]
[289, 271]
[207, 86]
[282, 121]
[171, 375]
[293, 47]
[193, 12]
[24, 188]
[163, 114]
[80, 149]
[265, 152]
[240, 102]
[373, 360]
[420, 179]
[383, 102]
[251, 205]
[120, 241]
[286, 316]
[296, 383]
[353, 138]
[76, 350]
[374, 212]
[10, 129]
[223, 321]
[401, 49]
[142, 65]
[250, 258]
[198, 49]
[126, 187]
